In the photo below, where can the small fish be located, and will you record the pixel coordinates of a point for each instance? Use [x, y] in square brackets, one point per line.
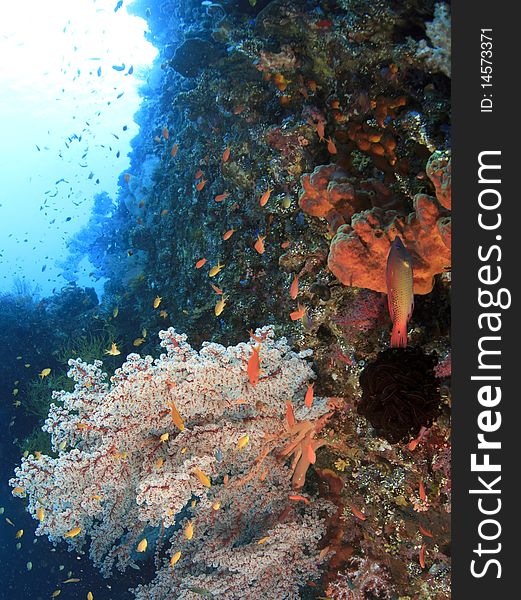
[142, 546]
[127, 177]
[308, 398]
[29, 566]
[331, 148]
[358, 514]
[202, 477]
[72, 580]
[44, 373]
[189, 530]
[165, 133]
[157, 301]
[263, 540]
[159, 462]
[228, 234]
[422, 556]
[216, 505]
[115, 312]
[259, 244]
[421, 491]
[138, 341]
[8, 520]
[198, 174]
[18, 491]
[175, 558]
[219, 307]
[73, 532]
[298, 314]
[243, 441]
[200, 591]
[200, 263]
[215, 269]
[56, 593]
[176, 417]
[19, 534]
[90, 596]
[226, 154]
[216, 289]
[400, 294]
[164, 437]
[293, 290]
[174, 150]
[163, 314]
[221, 197]
[40, 513]
[113, 351]
[298, 498]
[200, 185]
[254, 369]
[320, 129]
[265, 197]
[426, 532]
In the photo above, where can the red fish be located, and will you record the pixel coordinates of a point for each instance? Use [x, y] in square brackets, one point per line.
[254, 369]
[400, 295]
[308, 399]
[293, 290]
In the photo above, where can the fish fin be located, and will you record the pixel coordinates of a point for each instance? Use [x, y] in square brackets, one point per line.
[390, 307]
[399, 335]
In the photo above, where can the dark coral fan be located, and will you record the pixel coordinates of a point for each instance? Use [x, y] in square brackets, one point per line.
[400, 393]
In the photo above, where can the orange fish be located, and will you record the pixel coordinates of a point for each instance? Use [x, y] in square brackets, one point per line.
[164, 212]
[259, 244]
[298, 498]
[423, 495]
[299, 313]
[331, 148]
[293, 290]
[285, 245]
[400, 294]
[290, 415]
[265, 197]
[200, 263]
[176, 417]
[424, 531]
[308, 398]
[198, 174]
[226, 154]
[166, 135]
[200, 185]
[174, 150]
[358, 514]
[228, 234]
[221, 197]
[254, 369]
[320, 129]
[422, 556]
[216, 289]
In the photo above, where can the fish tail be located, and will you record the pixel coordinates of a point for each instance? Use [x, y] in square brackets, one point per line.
[399, 335]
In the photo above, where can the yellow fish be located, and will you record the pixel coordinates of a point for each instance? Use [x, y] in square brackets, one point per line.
[142, 546]
[18, 490]
[263, 540]
[113, 350]
[176, 417]
[40, 513]
[90, 596]
[19, 534]
[159, 462]
[189, 530]
[216, 505]
[56, 593]
[44, 373]
[163, 314]
[115, 312]
[164, 437]
[73, 532]
[203, 478]
[175, 558]
[215, 269]
[157, 301]
[8, 520]
[219, 307]
[243, 441]
[138, 341]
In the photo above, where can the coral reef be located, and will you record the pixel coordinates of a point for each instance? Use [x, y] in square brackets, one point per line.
[437, 56]
[188, 434]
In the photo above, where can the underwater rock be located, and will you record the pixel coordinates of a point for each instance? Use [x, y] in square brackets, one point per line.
[439, 171]
[193, 55]
[358, 252]
[400, 393]
[328, 193]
